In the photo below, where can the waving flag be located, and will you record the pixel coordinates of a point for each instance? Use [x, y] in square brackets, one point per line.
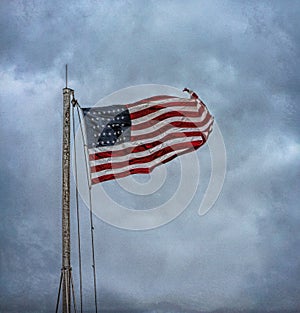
[135, 138]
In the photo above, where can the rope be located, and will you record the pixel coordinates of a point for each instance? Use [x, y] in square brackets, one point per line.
[58, 296]
[91, 207]
[73, 291]
[77, 211]
[93, 248]
[67, 284]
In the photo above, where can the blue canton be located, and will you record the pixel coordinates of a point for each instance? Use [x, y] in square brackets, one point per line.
[107, 126]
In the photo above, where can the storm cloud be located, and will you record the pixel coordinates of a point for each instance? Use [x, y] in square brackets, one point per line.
[242, 58]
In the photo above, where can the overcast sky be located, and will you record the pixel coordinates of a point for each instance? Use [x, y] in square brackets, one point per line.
[242, 57]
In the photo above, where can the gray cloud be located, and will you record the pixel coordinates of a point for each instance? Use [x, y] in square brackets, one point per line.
[243, 59]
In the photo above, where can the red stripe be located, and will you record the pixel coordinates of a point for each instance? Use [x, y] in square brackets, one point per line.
[155, 108]
[170, 126]
[208, 131]
[143, 147]
[163, 117]
[155, 98]
[146, 159]
[142, 170]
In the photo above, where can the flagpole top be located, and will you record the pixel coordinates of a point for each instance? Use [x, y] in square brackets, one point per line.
[67, 89]
[66, 75]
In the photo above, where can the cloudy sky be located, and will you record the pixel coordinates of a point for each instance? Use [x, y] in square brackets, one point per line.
[242, 57]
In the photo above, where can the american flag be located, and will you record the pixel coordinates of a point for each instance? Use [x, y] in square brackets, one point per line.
[135, 138]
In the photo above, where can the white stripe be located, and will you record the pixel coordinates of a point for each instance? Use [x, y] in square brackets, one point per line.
[134, 166]
[165, 122]
[135, 143]
[205, 131]
[149, 104]
[129, 156]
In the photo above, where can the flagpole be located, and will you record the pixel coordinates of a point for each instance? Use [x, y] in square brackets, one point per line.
[66, 279]
[66, 250]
